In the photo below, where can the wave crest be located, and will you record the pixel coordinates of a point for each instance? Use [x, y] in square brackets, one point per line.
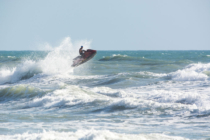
[57, 61]
[20, 91]
[116, 57]
[89, 135]
[25, 70]
[192, 72]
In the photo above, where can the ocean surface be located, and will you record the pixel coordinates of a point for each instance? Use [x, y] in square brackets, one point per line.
[118, 95]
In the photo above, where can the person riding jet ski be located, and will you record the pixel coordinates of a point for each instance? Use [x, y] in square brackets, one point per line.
[83, 57]
[81, 51]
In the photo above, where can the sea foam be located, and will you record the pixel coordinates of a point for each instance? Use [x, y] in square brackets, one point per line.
[69, 96]
[192, 72]
[58, 61]
[88, 135]
[24, 70]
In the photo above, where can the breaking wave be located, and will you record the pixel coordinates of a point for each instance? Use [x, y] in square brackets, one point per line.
[67, 97]
[25, 70]
[89, 135]
[155, 101]
[57, 61]
[192, 72]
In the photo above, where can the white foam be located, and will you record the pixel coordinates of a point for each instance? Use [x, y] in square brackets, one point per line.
[181, 97]
[187, 75]
[133, 98]
[89, 135]
[112, 92]
[200, 67]
[152, 74]
[143, 73]
[25, 69]
[146, 97]
[70, 95]
[193, 72]
[108, 91]
[58, 61]
[127, 103]
[87, 77]
[164, 96]
[11, 56]
[116, 55]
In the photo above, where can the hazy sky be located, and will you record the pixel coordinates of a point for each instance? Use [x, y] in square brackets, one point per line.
[109, 24]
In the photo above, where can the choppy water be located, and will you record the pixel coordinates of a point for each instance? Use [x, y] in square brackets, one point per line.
[116, 95]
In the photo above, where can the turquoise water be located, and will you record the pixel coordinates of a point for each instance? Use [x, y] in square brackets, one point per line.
[116, 95]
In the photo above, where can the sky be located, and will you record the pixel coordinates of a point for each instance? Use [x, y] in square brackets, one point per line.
[108, 24]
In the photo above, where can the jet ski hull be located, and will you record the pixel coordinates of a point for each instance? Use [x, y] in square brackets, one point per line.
[82, 59]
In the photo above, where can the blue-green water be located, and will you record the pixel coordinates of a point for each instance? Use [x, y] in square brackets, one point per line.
[116, 95]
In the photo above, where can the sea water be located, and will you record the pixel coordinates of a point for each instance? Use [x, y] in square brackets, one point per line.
[118, 95]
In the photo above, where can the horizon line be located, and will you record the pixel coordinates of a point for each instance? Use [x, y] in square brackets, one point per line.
[113, 50]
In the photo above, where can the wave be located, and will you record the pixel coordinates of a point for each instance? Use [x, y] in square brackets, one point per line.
[120, 105]
[149, 101]
[9, 58]
[119, 57]
[110, 92]
[25, 70]
[88, 135]
[160, 96]
[58, 61]
[105, 80]
[20, 91]
[52, 64]
[143, 60]
[192, 72]
[143, 74]
[67, 97]
[150, 107]
[183, 62]
[192, 102]
[105, 99]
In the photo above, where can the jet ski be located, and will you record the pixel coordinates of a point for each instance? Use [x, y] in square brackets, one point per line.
[88, 54]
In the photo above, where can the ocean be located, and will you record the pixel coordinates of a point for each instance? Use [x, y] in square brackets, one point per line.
[117, 95]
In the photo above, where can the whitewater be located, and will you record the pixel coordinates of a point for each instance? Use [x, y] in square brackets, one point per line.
[118, 95]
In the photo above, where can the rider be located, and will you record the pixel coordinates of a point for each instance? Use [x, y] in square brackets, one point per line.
[81, 52]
